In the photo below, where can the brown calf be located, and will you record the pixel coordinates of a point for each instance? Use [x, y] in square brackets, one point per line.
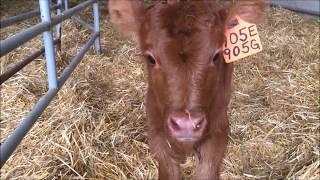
[189, 83]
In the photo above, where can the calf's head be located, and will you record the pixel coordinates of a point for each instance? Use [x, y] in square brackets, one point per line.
[181, 42]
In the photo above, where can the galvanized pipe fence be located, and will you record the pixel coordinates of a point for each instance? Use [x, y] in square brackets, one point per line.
[55, 82]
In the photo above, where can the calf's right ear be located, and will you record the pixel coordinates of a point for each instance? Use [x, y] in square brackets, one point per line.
[252, 11]
[126, 15]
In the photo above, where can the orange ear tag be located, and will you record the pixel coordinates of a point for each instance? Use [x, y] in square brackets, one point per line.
[241, 40]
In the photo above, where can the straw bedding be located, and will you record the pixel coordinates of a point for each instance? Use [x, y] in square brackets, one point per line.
[95, 126]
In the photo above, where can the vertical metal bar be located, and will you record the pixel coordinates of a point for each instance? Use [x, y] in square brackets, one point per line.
[58, 27]
[66, 5]
[96, 26]
[48, 44]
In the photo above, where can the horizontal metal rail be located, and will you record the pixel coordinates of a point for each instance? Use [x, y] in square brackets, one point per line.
[13, 42]
[310, 12]
[76, 60]
[10, 144]
[20, 38]
[72, 11]
[9, 73]
[83, 22]
[21, 17]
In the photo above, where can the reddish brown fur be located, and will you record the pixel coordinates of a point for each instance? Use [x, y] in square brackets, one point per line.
[182, 37]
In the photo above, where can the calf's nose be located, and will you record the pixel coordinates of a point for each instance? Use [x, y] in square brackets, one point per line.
[186, 126]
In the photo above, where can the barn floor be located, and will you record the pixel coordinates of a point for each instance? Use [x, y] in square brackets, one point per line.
[94, 128]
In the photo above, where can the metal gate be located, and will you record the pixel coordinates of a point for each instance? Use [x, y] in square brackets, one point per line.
[55, 82]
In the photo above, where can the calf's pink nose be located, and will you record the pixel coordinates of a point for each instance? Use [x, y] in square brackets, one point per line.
[186, 127]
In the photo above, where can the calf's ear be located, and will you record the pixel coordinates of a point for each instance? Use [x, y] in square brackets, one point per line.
[252, 11]
[126, 15]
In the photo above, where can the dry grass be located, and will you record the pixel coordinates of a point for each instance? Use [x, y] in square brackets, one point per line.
[94, 128]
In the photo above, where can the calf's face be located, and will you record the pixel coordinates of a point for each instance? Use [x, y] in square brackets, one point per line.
[181, 44]
[182, 55]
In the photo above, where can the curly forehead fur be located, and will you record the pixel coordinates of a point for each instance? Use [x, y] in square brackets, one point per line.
[187, 18]
[188, 24]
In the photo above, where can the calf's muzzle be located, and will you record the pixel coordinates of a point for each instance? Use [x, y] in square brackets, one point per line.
[186, 126]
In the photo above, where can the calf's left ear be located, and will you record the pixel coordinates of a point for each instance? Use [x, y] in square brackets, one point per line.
[126, 15]
[252, 11]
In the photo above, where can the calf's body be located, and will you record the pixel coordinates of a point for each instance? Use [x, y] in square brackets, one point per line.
[189, 83]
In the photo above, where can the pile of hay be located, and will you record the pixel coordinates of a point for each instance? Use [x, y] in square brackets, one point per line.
[95, 127]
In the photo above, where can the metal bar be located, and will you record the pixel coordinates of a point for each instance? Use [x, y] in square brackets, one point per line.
[66, 4]
[21, 17]
[83, 22]
[75, 61]
[296, 9]
[18, 18]
[70, 12]
[9, 73]
[48, 45]
[10, 144]
[7, 148]
[59, 26]
[20, 38]
[95, 7]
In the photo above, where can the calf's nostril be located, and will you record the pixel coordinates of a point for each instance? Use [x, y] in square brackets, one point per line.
[198, 124]
[174, 123]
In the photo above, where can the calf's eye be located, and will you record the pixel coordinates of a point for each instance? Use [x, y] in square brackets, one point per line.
[151, 60]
